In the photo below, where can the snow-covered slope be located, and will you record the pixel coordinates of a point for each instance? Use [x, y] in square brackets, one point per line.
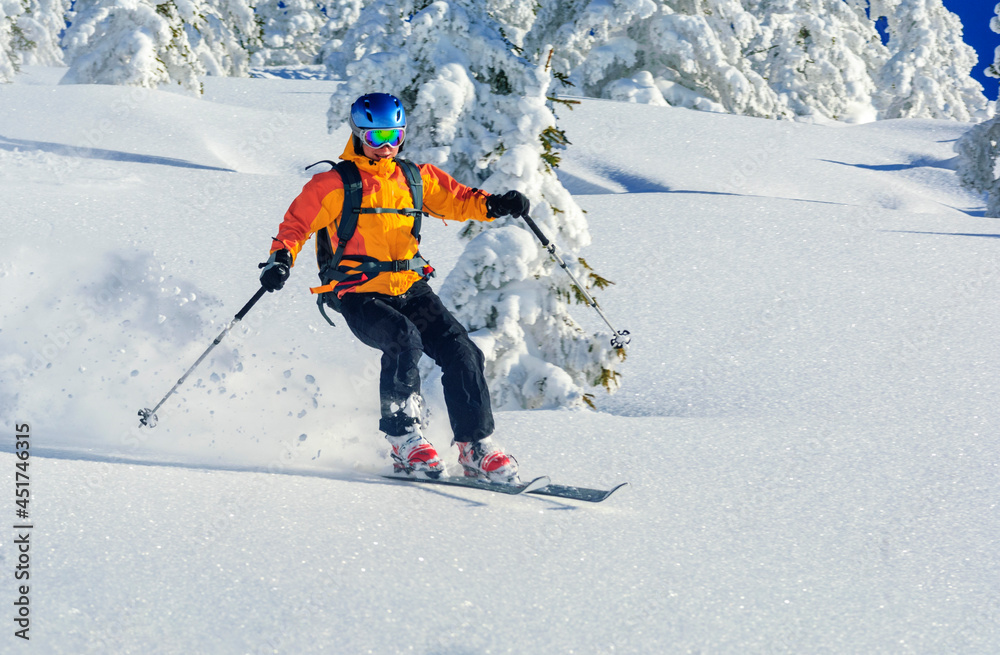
[807, 416]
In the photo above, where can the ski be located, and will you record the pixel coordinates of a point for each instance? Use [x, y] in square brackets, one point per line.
[540, 486]
[474, 483]
[576, 493]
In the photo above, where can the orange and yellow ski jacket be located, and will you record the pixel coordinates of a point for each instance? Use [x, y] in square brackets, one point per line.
[386, 237]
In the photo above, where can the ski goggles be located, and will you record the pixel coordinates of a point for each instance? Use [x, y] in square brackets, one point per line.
[392, 137]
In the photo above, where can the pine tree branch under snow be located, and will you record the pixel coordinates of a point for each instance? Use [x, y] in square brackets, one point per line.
[820, 56]
[222, 33]
[993, 70]
[292, 32]
[10, 39]
[928, 74]
[174, 43]
[978, 151]
[656, 52]
[130, 42]
[43, 23]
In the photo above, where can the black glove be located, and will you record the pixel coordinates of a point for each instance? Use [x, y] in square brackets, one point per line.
[275, 270]
[512, 202]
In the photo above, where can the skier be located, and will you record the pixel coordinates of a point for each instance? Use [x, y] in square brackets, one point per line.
[376, 278]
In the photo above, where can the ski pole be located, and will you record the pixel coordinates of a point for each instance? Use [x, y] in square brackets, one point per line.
[147, 416]
[621, 338]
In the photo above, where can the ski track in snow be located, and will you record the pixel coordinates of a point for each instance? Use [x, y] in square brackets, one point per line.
[807, 418]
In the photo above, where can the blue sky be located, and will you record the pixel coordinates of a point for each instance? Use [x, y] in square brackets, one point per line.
[975, 15]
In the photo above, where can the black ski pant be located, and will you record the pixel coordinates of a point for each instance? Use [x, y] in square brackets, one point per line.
[406, 326]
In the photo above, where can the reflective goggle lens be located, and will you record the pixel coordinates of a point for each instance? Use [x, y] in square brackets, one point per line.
[389, 137]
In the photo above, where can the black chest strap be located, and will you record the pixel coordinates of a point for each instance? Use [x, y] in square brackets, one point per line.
[330, 272]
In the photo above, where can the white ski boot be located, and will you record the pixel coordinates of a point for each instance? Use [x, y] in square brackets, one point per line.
[484, 459]
[412, 454]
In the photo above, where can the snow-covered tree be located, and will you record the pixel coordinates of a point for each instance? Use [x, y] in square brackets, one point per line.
[221, 34]
[292, 32]
[979, 148]
[978, 153]
[377, 28]
[340, 16]
[130, 42]
[149, 44]
[993, 70]
[820, 56]
[42, 24]
[12, 41]
[477, 109]
[928, 74]
[688, 53]
[565, 33]
[515, 17]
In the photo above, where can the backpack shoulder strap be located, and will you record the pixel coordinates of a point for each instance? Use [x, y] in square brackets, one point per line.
[413, 179]
[328, 258]
[351, 177]
[416, 184]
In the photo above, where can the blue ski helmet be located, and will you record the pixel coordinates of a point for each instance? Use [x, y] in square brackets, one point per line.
[376, 111]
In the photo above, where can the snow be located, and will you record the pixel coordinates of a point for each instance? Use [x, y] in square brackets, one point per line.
[807, 415]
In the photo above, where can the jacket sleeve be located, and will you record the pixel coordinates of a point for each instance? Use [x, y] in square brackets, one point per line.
[446, 198]
[317, 206]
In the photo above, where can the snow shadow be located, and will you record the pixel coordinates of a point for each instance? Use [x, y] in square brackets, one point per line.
[634, 183]
[578, 186]
[100, 153]
[924, 162]
[91, 455]
[340, 475]
[751, 195]
[620, 182]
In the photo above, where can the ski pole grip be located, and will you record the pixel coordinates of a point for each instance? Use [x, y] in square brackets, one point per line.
[253, 301]
[534, 228]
